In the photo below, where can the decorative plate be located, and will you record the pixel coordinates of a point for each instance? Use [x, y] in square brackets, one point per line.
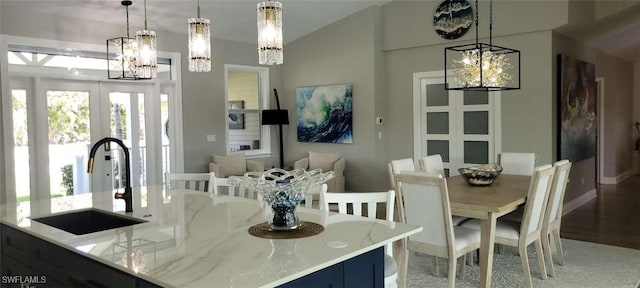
[453, 18]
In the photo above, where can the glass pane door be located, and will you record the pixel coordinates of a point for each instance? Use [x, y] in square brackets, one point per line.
[458, 125]
[20, 92]
[68, 138]
[126, 118]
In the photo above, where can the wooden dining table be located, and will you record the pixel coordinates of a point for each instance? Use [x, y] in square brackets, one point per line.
[487, 203]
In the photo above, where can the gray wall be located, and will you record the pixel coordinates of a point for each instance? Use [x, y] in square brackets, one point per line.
[343, 52]
[202, 93]
[377, 50]
[618, 80]
[406, 55]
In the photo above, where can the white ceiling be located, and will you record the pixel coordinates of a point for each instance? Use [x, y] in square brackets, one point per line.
[616, 34]
[231, 19]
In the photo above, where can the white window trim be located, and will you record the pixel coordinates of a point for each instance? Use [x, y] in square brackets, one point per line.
[263, 78]
[6, 122]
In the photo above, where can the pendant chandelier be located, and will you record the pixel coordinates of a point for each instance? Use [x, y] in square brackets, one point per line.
[270, 33]
[199, 44]
[122, 53]
[481, 66]
[147, 58]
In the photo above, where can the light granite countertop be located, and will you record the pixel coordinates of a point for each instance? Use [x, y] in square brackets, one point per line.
[196, 241]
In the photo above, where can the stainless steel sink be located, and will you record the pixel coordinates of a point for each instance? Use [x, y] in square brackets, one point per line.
[87, 221]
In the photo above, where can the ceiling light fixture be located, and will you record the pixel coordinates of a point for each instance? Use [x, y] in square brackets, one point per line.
[199, 44]
[121, 54]
[147, 57]
[270, 33]
[481, 66]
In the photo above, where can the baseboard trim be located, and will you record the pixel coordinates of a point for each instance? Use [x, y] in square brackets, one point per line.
[617, 179]
[624, 176]
[608, 181]
[575, 203]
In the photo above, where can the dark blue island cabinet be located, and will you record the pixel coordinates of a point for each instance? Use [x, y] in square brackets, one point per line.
[366, 271]
[28, 261]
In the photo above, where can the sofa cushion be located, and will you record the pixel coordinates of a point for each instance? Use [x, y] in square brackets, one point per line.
[234, 165]
[322, 161]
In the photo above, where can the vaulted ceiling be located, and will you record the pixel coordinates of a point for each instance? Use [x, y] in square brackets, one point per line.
[231, 19]
[613, 26]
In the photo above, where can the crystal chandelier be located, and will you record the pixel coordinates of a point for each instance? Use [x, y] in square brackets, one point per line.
[481, 66]
[146, 58]
[121, 54]
[199, 44]
[270, 32]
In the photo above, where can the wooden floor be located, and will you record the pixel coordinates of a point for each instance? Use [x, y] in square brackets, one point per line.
[613, 218]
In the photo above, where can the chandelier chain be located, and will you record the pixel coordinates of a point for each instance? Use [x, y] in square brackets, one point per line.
[145, 14]
[127, 12]
[198, 8]
[490, 22]
[477, 25]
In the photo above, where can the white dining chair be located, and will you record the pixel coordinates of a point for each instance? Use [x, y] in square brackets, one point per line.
[371, 199]
[432, 164]
[517, 163]
[427, 204]
[190, 181]
[522, 234]
[309, 197]
[553, 214]
[397, 166]
[223, 187]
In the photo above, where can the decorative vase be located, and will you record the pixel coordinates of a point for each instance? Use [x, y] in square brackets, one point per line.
[283, 191]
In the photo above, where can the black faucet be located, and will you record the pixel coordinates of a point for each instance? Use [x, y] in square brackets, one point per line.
[127, 195]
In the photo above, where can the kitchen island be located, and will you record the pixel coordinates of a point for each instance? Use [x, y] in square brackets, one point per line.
[197, 241]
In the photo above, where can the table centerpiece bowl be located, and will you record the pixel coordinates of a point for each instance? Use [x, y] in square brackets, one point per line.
[481, 175]
[283, 191]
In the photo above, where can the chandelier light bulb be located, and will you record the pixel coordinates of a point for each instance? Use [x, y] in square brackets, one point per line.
[199, 44]
[147, 58]
[470, 73]
[481, 66]
[270, 45]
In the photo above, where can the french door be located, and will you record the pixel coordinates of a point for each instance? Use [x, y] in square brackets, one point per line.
[462, 126]
[56, 121]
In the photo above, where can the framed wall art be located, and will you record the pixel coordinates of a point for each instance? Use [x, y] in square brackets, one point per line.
[577, 121]
[453, 18]
[324, 113]
[236, 120]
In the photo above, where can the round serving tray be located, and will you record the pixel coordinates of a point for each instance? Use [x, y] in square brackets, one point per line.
[305, 229]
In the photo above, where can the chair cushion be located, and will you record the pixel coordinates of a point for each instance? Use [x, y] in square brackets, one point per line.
[465, 237]
[322, 161]
[234, 165]
[505, 229]
[390, 266]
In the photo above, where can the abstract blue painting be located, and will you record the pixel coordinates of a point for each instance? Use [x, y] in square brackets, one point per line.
[324, 113]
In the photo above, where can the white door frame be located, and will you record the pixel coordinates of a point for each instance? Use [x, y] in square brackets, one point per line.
[174, 87]
[418, 117]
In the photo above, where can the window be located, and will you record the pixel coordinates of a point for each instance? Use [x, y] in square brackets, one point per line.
[247, 95]
[61, 61]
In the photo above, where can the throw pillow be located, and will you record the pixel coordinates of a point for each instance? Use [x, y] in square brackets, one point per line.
[322, 161]
[234, 165]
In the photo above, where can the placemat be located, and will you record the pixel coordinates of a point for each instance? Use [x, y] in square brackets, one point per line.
[305, 229]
